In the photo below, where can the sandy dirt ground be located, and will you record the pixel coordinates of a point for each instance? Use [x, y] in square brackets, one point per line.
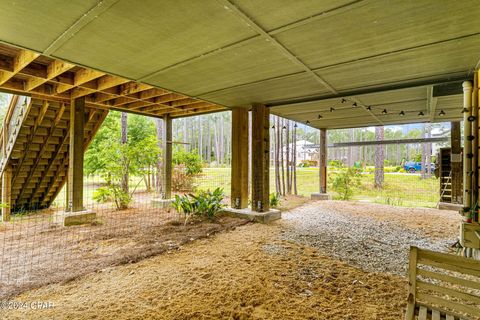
[278, 271]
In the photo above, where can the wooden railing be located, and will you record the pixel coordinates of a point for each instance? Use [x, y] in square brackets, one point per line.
[16, 113]
[442, 286]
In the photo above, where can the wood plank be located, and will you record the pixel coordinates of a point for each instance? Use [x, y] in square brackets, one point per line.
[422, 313]
[6, 193]
[412, 283]
[447, 291]
[54, 69]
[21, 60]
[458, 307]
[450, 317]
[167, 157]
[239, 177]
[323, 161]
[447, 278]
[449, 262]
[75, 169]
[260, 158]
[435, 314]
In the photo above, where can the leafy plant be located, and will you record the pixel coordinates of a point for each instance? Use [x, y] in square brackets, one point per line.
[191, 160]
[204, 204]
[345, 181]
[274, 200]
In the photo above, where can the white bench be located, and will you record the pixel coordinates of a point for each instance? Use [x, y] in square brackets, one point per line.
[442, 287]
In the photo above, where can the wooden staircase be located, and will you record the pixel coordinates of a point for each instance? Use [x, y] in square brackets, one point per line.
[35, 149]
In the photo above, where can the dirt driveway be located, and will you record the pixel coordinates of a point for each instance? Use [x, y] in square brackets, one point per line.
[279, 271]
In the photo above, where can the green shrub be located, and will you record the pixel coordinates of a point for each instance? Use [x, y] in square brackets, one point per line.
[204, 204]
[113, 193]
[274, 200]
[191, 160]
[345, 181]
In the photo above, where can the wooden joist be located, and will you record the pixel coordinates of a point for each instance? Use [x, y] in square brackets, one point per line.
[25, 72]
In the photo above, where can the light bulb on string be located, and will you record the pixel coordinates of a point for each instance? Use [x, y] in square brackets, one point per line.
[441, 113]
[384, 111]
[401, 114]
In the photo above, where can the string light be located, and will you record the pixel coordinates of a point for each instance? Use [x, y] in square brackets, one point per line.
[308, 122]
[401, 113]
[284, 127]
[320, 116]
[273, 127]
[442, 113]
[332, 109]
[354, 105]
[295, 125]
[369, 108]
[384, 111]
[420, 114]
[343, 100]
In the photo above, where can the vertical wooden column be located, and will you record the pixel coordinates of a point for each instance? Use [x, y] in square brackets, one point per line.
[322, 160]
[260, 158]
[6, 193]
[239, 177]
[167, 157]
[75, 165]
[456, 162]
[467, 146]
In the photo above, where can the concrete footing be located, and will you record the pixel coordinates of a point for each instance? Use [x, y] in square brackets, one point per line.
[162, 203]
[320, 196]
[449, 206]
[262, 217]
[66, 219]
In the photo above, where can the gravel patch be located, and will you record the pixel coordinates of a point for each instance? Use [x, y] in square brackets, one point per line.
[366, 242]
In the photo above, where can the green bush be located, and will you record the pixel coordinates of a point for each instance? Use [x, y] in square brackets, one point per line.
[274, 200]
[191, 160]
[204, 204]
[345, 181]
[113, 193]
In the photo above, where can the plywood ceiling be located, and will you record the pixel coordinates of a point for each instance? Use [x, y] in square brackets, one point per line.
[299, 57]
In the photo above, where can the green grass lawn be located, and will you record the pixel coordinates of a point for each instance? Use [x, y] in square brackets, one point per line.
[401, 189]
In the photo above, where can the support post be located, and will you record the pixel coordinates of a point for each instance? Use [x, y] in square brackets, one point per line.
[239, 177]
[467, 149]
[260, 158]
[456, 163]
[6, 193]
[322, 168]
[167, 157]
[75, 166]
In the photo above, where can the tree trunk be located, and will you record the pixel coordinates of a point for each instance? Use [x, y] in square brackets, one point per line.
[277, 154]
[159, 125]
[125, 160]
[379, 158]
[281, 158]
[287, 156]
[294, 163]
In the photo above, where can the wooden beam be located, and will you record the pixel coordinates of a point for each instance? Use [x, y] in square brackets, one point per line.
[239, 177]
[456, 163]
[260, 158]
[75, 166]
[167, 157]
[54, 69]
[322, 161]
[6, 193]
[21, 60]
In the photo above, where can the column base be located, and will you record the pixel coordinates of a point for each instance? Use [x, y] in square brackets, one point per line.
[262, 217]
[470, 235]
[66, 219]
[161, 203]
[320, 196]
[450, 206]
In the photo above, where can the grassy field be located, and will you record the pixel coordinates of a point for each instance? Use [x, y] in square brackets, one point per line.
[401, 189]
